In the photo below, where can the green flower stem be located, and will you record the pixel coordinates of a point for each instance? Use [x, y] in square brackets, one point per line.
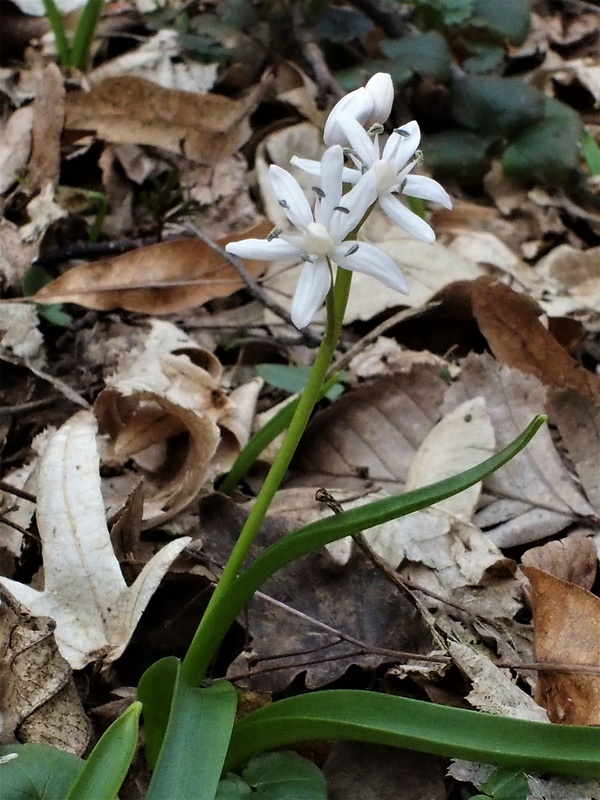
[210, 633]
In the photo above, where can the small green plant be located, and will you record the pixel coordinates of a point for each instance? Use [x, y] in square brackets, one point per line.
[192, 737]
[74, 53]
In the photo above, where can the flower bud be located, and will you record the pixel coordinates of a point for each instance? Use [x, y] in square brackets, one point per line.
[358, 104]
[381, 90]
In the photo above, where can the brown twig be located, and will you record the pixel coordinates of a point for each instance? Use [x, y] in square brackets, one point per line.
[10, 489]
[313, 54]
[253, 287]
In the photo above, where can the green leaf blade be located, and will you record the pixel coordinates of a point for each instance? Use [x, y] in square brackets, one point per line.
[418, 725]
[39, 772]
[107, 765]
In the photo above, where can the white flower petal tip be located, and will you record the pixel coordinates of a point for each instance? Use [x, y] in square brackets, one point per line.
[381, 89]
[311, 290]
[358, 104]
[426, 189]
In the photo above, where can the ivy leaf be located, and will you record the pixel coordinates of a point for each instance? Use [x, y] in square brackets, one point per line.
[342, 24]
[36, 772]
[508, 19]
[549, 150]
[275, 776]
[425, 53]
[497, 106]
[457, 152]
[451, 12]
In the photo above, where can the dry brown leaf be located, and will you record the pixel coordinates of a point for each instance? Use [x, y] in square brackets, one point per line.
[39, 700]
[126, 109]
[372, 433]
[15, 145]
[510, 323]
[48, 121]
[159, 279]
[566, 621]
[573, 277]
[578, 420]
[534, 495]
[572, 559]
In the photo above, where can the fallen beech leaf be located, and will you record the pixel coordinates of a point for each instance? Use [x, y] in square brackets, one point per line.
[372, 433]
[573, 275]
[131, 110]
[15, 146]
[566, 623]
[39, 700]
[509, 321]
[48, 121]
[159, 279]
[572, 559]
[84, 590]
[534, 495]
[578, 420]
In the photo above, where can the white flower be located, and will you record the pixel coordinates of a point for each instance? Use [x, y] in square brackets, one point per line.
[390, 171]
[369, 105]
[321, 236]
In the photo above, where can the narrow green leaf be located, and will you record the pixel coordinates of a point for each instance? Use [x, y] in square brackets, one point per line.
[318, 534]
[107, 765]
[263, 438]
[84, 35]
[36, 772]
[58, 29]
[590, 152]
[418, 725]
[195, 744]
[155, 691]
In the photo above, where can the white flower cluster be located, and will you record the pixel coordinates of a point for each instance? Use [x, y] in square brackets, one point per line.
[353, 157]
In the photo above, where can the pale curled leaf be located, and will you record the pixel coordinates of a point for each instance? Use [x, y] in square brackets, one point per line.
[84, 592]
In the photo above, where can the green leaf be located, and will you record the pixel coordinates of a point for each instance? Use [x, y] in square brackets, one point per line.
[457, 153]
[107, 765]
[266, 434]
[195, 743]
[425, 54]
[418, 725]
[590, 151]
[84, 35]
[33, 279]
[495, 106]
[232, 787]
[293, 379]
[549, 150]
[282, 776]
[450, 12]
[342, 24]
[509, 19]
[506, 785]
[485, 58]
[39, 772]
[155, 691]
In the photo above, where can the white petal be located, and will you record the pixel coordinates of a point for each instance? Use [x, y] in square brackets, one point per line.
[356, 201]
[263, 249]
[332, 165]
[358, 104]
[407, 145]
[307, 165]
[370, 260]
[381, 89]
[426, 189]
[406, 219]
[360, 141]
[290, 196]
[311, 290]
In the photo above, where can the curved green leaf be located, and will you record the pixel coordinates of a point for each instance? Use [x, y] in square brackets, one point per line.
[36, 772]
[417, 725]
[317, 534]
[107, 765]
[195, 743]
[155, 691]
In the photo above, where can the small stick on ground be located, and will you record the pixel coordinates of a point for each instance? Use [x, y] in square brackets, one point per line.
[314, 55]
